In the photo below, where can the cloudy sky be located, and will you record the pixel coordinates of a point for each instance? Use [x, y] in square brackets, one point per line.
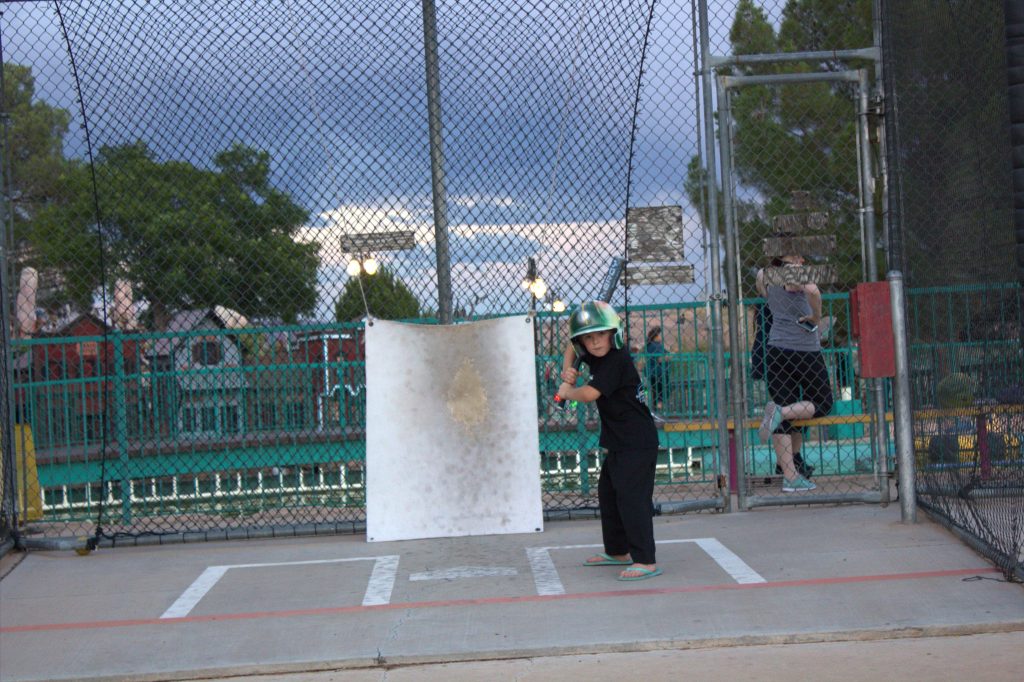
[537, 108]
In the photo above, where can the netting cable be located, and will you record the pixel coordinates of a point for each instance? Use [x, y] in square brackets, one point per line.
[98, 214]
[8, 481]
[629, 162]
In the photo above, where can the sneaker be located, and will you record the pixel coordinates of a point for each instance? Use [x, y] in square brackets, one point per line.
[797, 484]
[771, 420]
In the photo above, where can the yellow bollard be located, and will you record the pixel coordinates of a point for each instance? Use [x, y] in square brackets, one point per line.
[30, 495]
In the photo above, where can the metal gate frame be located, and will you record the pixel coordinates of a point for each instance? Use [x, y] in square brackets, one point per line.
[725, 84]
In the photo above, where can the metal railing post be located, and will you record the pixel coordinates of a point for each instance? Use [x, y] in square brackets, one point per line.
[121, 426]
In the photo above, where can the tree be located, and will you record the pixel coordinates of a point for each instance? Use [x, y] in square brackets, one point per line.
[795, 137]
[386, 297]
[34, 145]
[183, 236]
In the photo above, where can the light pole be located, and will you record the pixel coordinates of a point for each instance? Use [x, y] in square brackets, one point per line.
[534, 284]
[362, 263]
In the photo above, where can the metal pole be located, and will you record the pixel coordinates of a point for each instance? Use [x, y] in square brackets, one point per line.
[867, 179]
[721, 404]
[876, 387]
[437, 186]
[120, 423]
[871, 53]
[735, 292]
[326, 386]
[903, 420]
[883, 165]
[8, 482]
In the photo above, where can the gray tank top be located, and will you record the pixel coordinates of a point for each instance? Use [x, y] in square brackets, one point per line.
[787, 307]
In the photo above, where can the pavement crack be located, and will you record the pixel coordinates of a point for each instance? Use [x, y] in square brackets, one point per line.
[393, 630]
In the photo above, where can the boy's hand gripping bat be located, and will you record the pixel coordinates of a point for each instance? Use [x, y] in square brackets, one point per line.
[560, 402]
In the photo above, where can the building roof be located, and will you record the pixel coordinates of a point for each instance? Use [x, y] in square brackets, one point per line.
[184, 321]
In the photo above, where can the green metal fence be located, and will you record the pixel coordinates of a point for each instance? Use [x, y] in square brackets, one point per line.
[150, 432]
[140, 430]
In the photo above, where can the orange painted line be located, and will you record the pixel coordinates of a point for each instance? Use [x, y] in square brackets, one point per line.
[486, 601]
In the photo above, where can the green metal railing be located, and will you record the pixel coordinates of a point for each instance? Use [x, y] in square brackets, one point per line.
[268, 414]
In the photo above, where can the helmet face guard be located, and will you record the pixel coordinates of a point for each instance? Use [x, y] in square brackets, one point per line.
[594, 316]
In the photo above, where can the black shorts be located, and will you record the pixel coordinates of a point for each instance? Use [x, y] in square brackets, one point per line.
[795, 376]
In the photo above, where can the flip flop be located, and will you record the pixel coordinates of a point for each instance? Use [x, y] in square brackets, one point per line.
[606, 560]
[645, 573]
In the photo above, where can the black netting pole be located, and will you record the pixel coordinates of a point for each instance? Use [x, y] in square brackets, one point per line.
[8, 501]
[893, 163]
[1015, 76]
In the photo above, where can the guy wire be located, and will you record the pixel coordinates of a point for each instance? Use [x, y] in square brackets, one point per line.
[104, 441]
[629, 164]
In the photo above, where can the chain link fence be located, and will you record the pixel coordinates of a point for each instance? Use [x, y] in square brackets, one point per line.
[194, 216]
[197, 222]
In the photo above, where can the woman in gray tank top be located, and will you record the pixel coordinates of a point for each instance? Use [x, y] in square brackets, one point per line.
[798, 382]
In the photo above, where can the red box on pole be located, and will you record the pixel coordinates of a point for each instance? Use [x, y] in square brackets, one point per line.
[871, 324]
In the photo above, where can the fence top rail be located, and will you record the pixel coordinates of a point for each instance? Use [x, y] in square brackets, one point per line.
[711, 424]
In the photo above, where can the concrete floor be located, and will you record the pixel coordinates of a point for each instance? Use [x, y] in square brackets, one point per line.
[771, 594]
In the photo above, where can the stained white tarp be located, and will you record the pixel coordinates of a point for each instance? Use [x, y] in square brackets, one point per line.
[451, 430]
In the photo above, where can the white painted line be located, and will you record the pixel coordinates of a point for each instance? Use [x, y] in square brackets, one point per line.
[459, 572]
[184, 604]
[382, 581]
[545, 575]
[196, 591]
[729, 561]
[548, 582]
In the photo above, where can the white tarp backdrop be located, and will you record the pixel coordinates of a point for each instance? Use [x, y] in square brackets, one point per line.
[451, 430]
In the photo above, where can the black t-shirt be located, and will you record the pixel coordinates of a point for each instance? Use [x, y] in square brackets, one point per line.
[626, 422]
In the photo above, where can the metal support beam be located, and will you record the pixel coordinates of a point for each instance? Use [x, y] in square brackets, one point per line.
[903, 419]
[715, 297]
[437, 179]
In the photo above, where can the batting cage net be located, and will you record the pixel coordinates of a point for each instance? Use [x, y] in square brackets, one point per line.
[951, 194]
[204, 203]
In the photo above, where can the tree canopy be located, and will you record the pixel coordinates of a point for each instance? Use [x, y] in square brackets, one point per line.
[184, 237]
[795, 138]
[35, 142]
[387, 298]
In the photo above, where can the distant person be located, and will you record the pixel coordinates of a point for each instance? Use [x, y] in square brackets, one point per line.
[657, 368]
[759, 369]
[798, 382]
[626, 483]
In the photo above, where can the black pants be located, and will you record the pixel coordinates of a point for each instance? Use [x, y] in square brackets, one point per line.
[624, 494]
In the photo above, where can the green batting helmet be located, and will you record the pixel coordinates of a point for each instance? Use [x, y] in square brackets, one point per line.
[594, 316]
